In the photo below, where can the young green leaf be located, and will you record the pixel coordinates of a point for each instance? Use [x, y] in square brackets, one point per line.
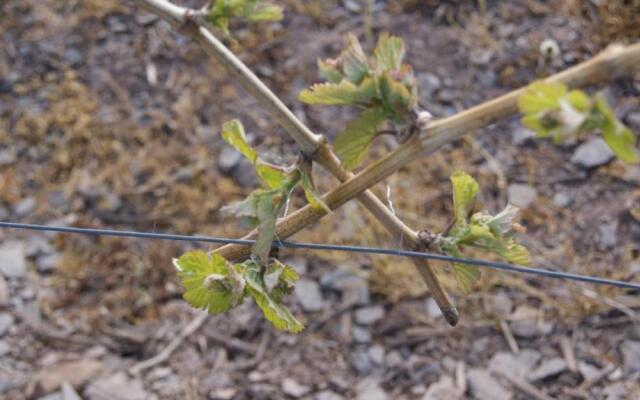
[276, 312]
[273, 176]
[314, 199]
[389, 52]
[266, 12]
[268, 207]
[466, 275]
[619, 138]
[329, 71]
[465, 189]
[343, 93]
[540, 97]
[233, 134]
[352, 144]
[207, 283]
[354, 62]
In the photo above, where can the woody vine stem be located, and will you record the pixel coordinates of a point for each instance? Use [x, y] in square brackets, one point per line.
[428, 136]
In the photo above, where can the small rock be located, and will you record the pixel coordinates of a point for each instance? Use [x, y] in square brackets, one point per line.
[48, 263]
[394, 359]
[360, 334]
[606, 236]
[521, 195]
[58, 199]
[228, 159]
[500, 304]
[369, 315]
[480, 56]
[615, 391]
[328, 395]
[376, 353]
[52, 396]
[485, 387]
[444, 389]
[633, 120]
[4, 348]
[223, 393]
[369, 389]
[76, 373]
[13, 263]
[521, 135]
[25, 206]
[6, 322]
[592, 154]
[432, 308]
[300, 264]
[514, 365]
[68, 393]
[548, 369]
[292, 388]
[117, 386]
[447, 96]
[429, 84]
[352, 5]
[630, 350]
[244, 174]
[354, 289]
[588, 371]
[4, 291]
[527, 323]
[309, 296]
[361, 362]
[562, 200]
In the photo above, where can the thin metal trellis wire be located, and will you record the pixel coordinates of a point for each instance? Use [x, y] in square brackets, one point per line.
[328, 247]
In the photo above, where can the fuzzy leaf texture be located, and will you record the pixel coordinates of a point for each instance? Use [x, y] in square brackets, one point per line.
[465, 189]
[353, 143]
[270, 302]
[210, 283]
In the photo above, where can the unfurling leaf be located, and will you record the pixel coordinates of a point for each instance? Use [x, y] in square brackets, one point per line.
[271, 302]
[352, 144]
[540, 97]
[619, 138]
[314, 199]
[273, 176]
[233, 134]
[466, 275]
[353, 61]
[343, 93]
[268, 207]
[389, 52]
[208, 281]
[465, 189]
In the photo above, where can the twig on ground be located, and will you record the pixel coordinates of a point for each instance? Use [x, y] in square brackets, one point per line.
[164, 355]
[524, 387]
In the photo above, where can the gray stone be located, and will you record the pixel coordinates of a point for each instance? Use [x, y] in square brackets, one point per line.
[548, 368]
[25, 206]
[13, 263]
[309, 296]
[117, 386]
[376, 353]
[521, 195]
[562, 200]
[52, 396]
[429, 84]
[369, 389]
[432, 308]
[481, 56]
[292, 388]
[633, 120]
[69, 393]
[5, 348]
[514, 365]
[527, 323]
[48, 262]
[354, 289]
[615, 391]
[59, 200]
[76, 373]
[228, 159]
[444, 389]
[352, 5]
[588, 371]
[4, 291]
[630, 350]
[606, 236]
[592, 153]
[447, 96]
[328, 395]
[500, 304]
[485, 387]
[360, 334]
[6, 322]
[521, 135]
[362, 362]
[369, 315]
[223, 393]
[244, 174]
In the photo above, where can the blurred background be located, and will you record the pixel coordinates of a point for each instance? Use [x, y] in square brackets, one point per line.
[110, 119]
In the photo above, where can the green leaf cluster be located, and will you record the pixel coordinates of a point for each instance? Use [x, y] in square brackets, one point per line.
[480, 230]
[264, 206]
[382, 85]
[551, 110]
[251, 10]
[213, 284]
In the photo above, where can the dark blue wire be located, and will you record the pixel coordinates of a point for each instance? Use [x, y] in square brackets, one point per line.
[329, 247]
